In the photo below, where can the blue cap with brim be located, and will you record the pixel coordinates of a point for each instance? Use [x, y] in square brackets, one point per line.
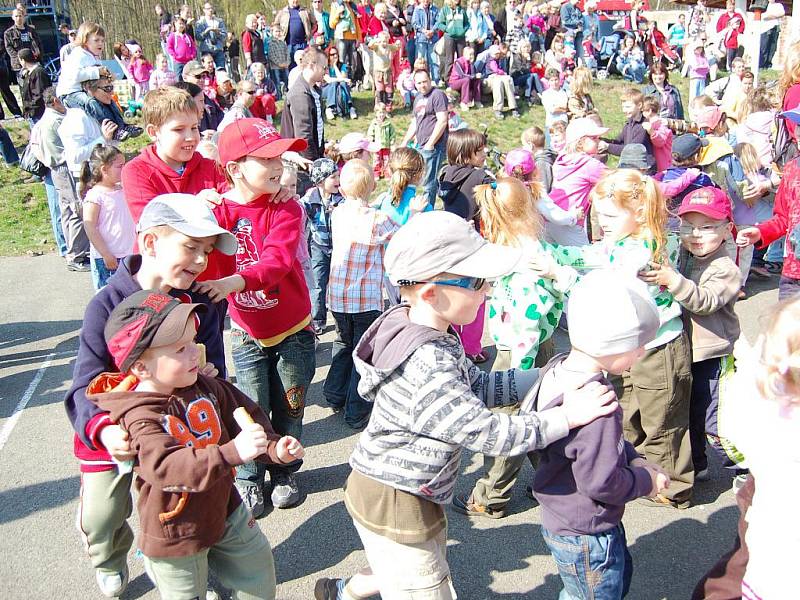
[793, 115]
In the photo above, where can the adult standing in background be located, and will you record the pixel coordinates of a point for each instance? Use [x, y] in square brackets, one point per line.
[452, 22]
[698, 20]
[185, 13]
[572, 22]
[505, 20]
[730, 24]
[346, 32]
[296, 25]
[424, 23]
[164, 29]
[771, 27]
[20, 36]
[252, 42]
[211, 34]
[429, 129]
[591, 22]
[323, 20]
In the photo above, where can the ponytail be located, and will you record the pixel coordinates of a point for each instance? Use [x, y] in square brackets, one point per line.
[406, 166]
[92, 169]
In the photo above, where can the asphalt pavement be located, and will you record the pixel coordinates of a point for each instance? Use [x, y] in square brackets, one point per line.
[42, 556]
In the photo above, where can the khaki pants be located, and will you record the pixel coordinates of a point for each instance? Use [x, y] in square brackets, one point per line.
[242, 560]
[103, 510]
[502, 86]
[655, 398]
[408, 571]
[493, 490]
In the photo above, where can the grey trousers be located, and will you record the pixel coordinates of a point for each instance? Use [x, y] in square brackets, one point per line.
[71, 214]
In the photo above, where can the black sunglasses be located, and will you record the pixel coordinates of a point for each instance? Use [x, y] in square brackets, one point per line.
[106, 88]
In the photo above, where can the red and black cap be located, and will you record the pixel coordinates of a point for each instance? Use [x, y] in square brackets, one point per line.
[146, 319]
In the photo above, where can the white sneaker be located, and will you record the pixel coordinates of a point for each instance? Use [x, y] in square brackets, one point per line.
[329, 114]
[353, 114]
[112, 584]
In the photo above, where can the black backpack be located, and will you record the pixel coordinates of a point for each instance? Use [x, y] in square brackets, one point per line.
[784, 148]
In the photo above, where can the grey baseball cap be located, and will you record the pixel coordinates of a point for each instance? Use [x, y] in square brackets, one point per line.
[188, 215]
[439, 242]
[193, 68]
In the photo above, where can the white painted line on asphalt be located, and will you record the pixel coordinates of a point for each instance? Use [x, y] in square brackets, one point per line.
[8, 426]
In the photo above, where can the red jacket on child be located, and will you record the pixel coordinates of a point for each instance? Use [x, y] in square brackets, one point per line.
[785, 216]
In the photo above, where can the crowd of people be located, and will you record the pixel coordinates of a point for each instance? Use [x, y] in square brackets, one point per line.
[224, 216]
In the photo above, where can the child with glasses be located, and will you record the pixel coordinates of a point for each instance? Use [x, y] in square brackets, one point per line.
[707, 288]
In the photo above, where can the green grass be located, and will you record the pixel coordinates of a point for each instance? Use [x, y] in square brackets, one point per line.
[25, 220]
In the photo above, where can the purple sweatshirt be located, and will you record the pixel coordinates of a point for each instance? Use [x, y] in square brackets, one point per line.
[584, 480]
[632, 133]
[93, 356]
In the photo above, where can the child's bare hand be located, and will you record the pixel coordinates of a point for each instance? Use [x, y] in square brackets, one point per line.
[284, 195]
[589, 402]
[107, 128]
[647, 126]
[210, 196]
[251, 442]
[209, 370]
[117, 442]
[219, 289]
[658, 274]
[543, 265]
[748, 236]
[289, 449]
[110, 262]
[418, 204]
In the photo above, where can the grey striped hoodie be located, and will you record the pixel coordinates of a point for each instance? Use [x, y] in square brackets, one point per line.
[430, 401]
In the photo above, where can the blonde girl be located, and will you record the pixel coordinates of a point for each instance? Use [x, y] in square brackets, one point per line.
[106, 217]
[751, 211]
[579, 102]
[631, 213]
[82, 64]
[763, 420]
[162, 75]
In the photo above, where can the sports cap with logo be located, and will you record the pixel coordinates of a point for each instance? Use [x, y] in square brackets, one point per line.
[438, 242]
[254, 137]
[709, 201]
[189, 216]
[146, 319]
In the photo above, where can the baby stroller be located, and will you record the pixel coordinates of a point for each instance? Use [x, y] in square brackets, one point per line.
[607, 54]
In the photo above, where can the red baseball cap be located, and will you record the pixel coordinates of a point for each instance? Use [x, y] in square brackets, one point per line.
[254, 137]
[709, 201]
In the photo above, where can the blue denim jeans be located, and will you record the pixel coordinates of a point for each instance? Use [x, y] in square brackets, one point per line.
[338, 91]
[425, 50]
[100, 273]
[341, 385]
[7, 148]
[321, 267]
[280, 76]
[775, 251]
[592, 567]
[55, 214]
[277, 378]
[433, 161]
[788, 288]
[292, 49]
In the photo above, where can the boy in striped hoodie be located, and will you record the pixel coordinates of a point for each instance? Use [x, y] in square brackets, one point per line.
[429, 403]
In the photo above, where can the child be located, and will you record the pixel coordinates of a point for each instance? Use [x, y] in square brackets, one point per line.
[584, 480]
[264, 104]
[632, 132]
[465, 169]
[756, 122]
[162, 75]
[279, 61]
[660, 134]
[397, 505]
[185, 448]
[106, 217]
[696, 67]
[141, 69]
[319, 202]
[355, 145]
[355, 290]
[381, 132]
[630, 211]
[762, 422]
[233, 51]
[536, 85]
[706, 287]
[35, 81]
[383, 53]
[558, 136]
[533, 140]
[268, 301]
[579, 101]
[181, 47]
[554, 99]
[405, 84]
[454, 120]
[575, 173]
[176, 234]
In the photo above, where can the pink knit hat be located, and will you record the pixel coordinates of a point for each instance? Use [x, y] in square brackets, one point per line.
[519, 160]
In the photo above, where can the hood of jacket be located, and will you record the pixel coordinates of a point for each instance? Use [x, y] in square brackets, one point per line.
[717, 148]
[386, 345]
[457, 175]
[760, 122]
[566, 165]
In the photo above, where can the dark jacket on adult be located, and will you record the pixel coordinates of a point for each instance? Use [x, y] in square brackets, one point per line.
[212, 114]
[632, 133]
[545, 159]
[15, 39]
[457, 190]
[34, 83]
[301, 120]
[677, 102]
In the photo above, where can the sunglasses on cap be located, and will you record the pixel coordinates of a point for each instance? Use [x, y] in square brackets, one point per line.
[467, 283]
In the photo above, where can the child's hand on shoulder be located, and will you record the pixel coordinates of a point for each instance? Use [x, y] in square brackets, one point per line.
[658, 476]
[219, 289]
[251, 442]
[211, 197]
[585, 404]
[111, 262]
[544, 265]
[289, 449]
[659, 274]
[117, 442]
[418, 204]
[647, 126]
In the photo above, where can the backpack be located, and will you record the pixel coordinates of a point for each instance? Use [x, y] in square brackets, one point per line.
[784, 147]
[31, 160]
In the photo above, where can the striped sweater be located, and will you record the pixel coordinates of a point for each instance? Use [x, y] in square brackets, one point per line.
[430, 402]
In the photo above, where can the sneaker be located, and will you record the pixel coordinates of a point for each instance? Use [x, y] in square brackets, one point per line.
[78, 267]
[134, 131]
[660, 501]
[467, 507]
[478, 105]
[112, 584]
[360, 423]
[252, 498]
[738, 482]
[353, 113]
[760, 273]
[499, 115]
[328, 589]
[329, 114]
[515, 114]
[464, 106]
[285, 492]
[319, 328]
[121, 134]
[702, 475]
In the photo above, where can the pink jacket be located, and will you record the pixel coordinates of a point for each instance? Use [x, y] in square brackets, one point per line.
[161, 79]
[180, 46]
[574, 176]
[757, 130]
[141, 69]
[661, 137]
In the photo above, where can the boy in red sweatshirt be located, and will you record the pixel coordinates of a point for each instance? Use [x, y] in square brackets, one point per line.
[187, 434]
[271, 338]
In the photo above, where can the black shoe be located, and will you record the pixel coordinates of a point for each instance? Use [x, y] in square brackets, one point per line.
[134, 131]
[360, 423]
[120, 134]
[78, 267]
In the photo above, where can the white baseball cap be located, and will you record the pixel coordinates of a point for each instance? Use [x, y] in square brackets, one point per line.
[581, 128]
[355, 141]
[438, 242]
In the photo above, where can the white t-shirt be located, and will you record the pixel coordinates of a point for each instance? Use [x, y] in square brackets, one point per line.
[114, 222]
